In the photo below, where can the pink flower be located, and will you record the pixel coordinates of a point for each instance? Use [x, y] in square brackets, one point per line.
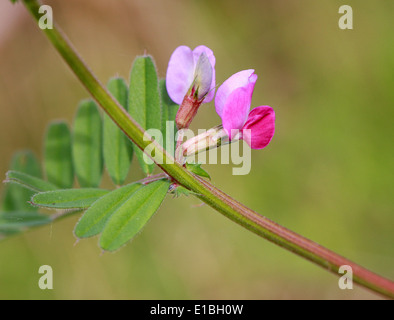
[233, 101]
[191, 72]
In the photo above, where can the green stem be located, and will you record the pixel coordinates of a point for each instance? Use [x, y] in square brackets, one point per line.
[209, 194]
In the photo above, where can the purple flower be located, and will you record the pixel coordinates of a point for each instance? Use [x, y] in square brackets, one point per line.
[191, 72]
[233, 101]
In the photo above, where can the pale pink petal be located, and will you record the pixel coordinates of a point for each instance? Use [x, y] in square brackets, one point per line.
[245, 79]
[236, 110]
[196, 55]
[261, 125]
[180, 73]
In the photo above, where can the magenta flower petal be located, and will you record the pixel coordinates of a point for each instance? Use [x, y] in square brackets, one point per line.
[243, 79]
[236, 110]
[196, 55]
[180, 73]
[261, 125]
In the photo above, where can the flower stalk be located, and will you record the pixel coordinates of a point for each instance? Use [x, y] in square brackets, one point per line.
[204, 190]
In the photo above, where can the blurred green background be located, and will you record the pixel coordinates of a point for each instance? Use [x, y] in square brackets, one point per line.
[327, 174]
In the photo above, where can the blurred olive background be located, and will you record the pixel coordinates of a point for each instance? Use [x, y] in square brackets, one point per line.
[327, 174]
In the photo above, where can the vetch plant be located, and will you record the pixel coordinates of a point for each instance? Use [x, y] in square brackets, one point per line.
[118, 215]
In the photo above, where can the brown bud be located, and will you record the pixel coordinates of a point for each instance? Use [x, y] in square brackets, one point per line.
[187, 111]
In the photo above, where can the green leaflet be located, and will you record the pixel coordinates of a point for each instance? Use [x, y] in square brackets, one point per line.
[14, 221]
[33, 183]
[144, 101]
[169, 110]
[132, 216]
[196, 169]
[58, 157]
[117, 149]
[68, 198]
[16, 197]
[94, 219]
[87, 145]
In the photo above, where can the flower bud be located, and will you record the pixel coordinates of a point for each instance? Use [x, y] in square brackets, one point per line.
[187, 111]
[213, 138]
